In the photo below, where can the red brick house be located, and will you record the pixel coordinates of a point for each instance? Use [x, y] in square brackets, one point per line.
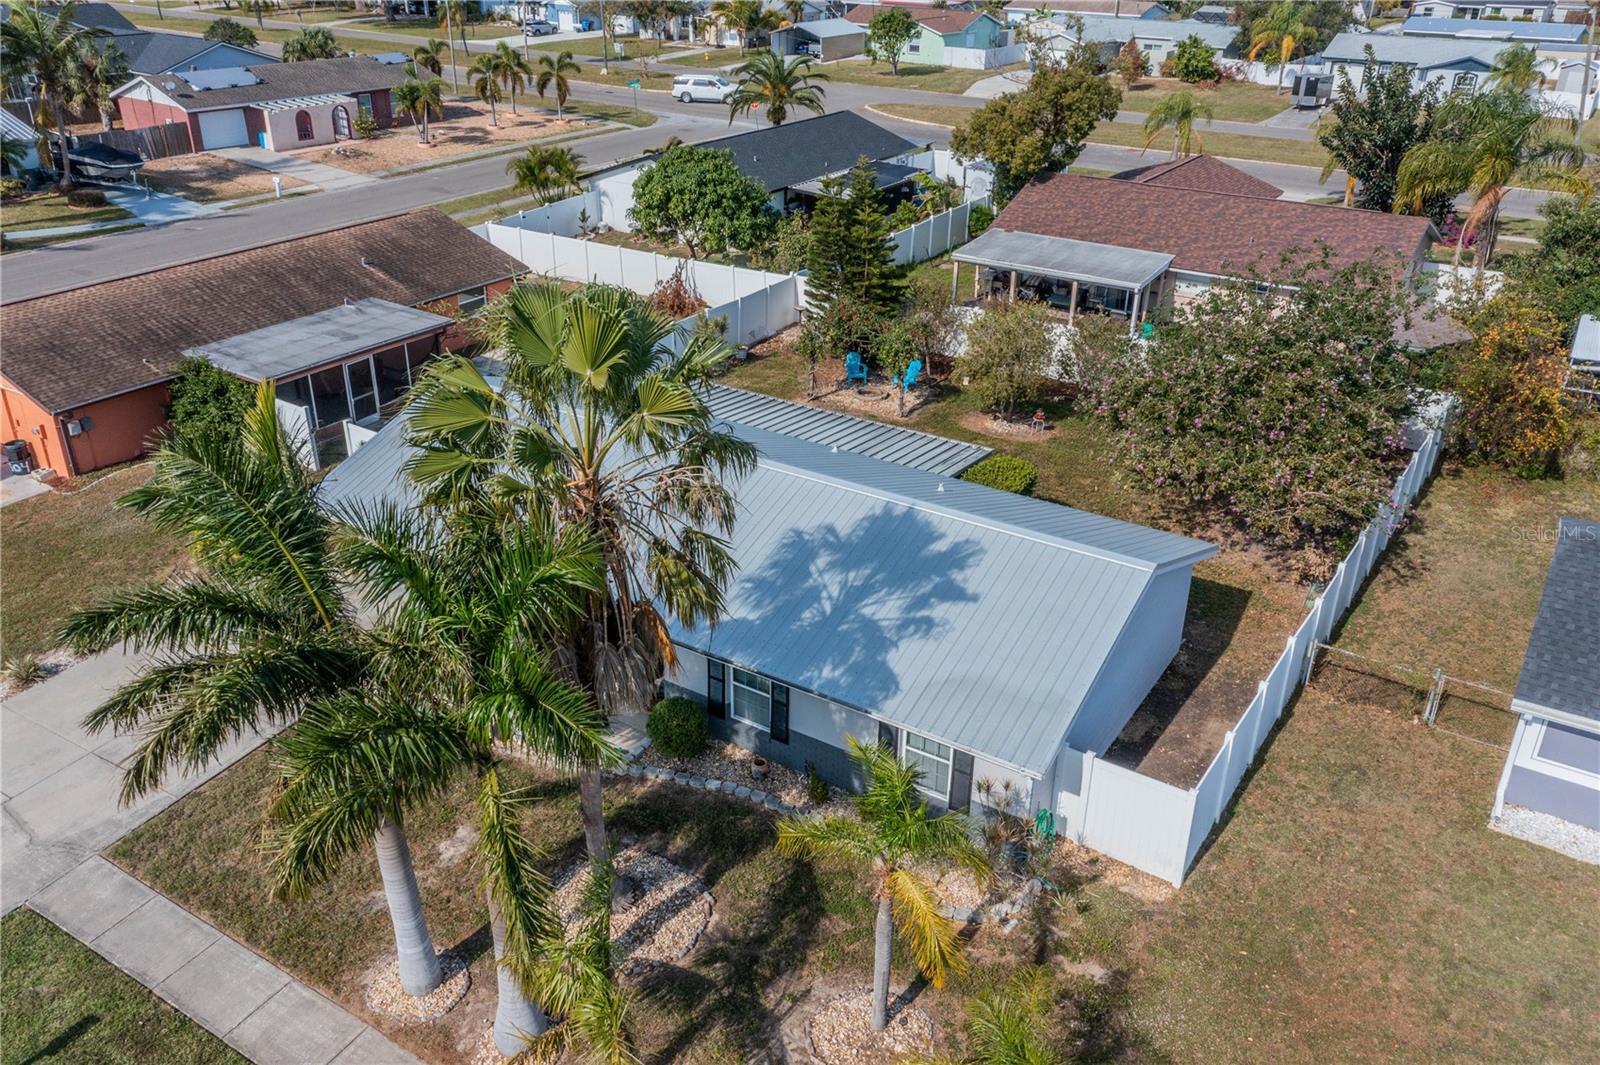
[86, 370]
[271, 105]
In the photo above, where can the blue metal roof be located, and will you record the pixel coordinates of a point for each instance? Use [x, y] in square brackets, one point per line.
[1492, 29]
[971, 615]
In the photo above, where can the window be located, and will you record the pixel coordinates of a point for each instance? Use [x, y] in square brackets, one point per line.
[752, 698]
[302, 126]
[914, 46]
[1466, 81]
[364, 102]
[472, 300]
[933, 759]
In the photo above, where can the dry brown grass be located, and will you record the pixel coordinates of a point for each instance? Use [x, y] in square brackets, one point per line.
[464, 128]
[209, 178]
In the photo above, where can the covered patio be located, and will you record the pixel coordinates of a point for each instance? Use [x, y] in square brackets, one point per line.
[1074, 276]
[348, 365]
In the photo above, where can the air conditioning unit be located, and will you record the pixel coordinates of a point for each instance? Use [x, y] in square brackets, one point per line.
[79, 426]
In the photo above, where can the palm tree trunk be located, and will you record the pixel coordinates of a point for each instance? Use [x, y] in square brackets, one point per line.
[61, 131]
[883, 944]
[455, 83]
[593, 812]
[516, 1019]
[419, 964]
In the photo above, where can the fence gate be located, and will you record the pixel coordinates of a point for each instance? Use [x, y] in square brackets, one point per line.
[1433, 698]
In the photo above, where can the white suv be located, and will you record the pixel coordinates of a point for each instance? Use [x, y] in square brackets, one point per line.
[705, 88]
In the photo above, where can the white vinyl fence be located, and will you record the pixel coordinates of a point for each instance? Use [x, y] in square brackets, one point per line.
[985, 58]
[1160, 828]
[934, 236]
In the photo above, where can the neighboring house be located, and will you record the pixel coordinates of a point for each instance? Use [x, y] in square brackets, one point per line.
[86, 370]
[826, 38]
[790, 161]
[1526, 10]
[273, 105]
[1023, 10]
[1454, 64]
[15, 129]
[1157, 38]
[1534, 33]
[1553, 767]
[1159, 236]
[942, 30]
[163, 53]
[879, 597]
[1217, 13]
[104, 17]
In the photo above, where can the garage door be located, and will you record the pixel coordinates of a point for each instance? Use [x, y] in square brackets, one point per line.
[223, 129]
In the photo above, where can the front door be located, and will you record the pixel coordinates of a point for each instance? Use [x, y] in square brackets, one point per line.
[341, 123]
[363, 390]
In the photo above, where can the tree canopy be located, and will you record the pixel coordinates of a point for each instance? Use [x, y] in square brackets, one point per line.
[852, 267]
[230, 31]
[888, 34]
[313, 42]
[698, 197]
[1194, 61]
[208, 401]
[1041, 128]
[1369, 129]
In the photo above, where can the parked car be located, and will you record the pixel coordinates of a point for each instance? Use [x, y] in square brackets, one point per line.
[702, 88]
[538, 27]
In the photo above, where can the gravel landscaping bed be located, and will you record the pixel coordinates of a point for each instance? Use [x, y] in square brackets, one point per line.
[840, 1032]
[660, 920]
[386, 996]
[725, 762]
[1547, 830]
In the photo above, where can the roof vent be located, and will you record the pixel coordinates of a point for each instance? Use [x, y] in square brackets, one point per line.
[364, 261]
[940, 488]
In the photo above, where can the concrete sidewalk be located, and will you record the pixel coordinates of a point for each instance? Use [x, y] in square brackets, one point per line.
[325, 177]
[251, 1004]
[59, 790]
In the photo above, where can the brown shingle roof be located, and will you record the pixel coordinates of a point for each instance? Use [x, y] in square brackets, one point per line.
[1125, 8]
[72, 347]
[1204, 173]
[940, 21]
[280, 81]
[1205, 232]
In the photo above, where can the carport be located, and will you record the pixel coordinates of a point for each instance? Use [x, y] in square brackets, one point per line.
[838, 38]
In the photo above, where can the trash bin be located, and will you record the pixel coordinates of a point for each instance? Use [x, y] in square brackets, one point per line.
[19, 456]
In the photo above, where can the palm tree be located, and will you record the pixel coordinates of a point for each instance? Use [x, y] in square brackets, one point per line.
[313, 42]
[1178, 110]
[577, 980]
[445, 8]
[1281, 33]
[485, 76]
[429, 57]
[514, 71]
[750, 17]
[545, 171]
[420, 100]
[892, 832]
[1518, 68]
[473, 606]
[97, 71]
[778, 84]
[45, 44]
[262, 632]
[554, 71]
[597, 423]
[795, 10]
[12, 154]
[1484, 144]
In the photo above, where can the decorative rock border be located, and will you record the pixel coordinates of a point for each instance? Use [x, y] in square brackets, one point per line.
[1006, 909]
[693, 780]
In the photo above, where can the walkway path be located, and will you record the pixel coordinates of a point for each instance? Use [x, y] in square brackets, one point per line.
[58, 800]
[309, 171]
[157, 208]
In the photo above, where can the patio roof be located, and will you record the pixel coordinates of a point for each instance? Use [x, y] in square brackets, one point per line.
[1062, 257]
[887, 175]
[291, 348]
[297, 102]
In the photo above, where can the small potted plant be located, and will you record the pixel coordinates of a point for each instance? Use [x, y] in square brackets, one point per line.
[758, 767]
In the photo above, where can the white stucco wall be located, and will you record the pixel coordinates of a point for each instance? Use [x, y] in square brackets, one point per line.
[281, 132]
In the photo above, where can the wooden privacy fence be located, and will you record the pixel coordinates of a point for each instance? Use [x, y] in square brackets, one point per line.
[150, 142]
[1160, 828]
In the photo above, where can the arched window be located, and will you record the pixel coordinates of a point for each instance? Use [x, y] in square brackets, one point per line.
[302, 126]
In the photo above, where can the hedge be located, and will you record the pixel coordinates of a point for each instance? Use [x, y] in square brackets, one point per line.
[677, 728]
[1005, 472]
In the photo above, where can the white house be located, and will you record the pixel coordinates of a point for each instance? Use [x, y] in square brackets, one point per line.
[1157, 38]
[1553, 768]
[982, 635]
[1455, 64]
[15, 129]
[1529, 10]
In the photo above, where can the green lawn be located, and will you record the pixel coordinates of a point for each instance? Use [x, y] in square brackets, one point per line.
[658, 78]
[912, 75]
[61, 1002]
[1222, 145]
[268, 35]
[716, 57]
[63, 552]
[632, 47]
[9, 245]
[1235, 101]
[45, 210]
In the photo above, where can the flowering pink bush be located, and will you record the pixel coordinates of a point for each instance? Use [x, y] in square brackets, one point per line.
[1274, 412]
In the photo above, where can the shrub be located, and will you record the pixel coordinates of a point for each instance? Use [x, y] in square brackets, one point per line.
[981, 218]
[366, 126]
[1516, 412]
[816, 788]
[207, 401]
[1005, 472]
[1193, 61]
[677, 728]
[24, 671]
[80, 197]
[11, 188]
[1008, 353]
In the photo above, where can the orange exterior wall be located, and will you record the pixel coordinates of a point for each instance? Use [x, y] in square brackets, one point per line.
[120, 429]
